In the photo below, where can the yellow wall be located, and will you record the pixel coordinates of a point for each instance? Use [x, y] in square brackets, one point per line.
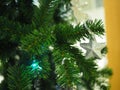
[112, 13]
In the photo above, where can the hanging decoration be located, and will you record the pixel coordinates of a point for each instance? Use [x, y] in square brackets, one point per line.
[93, 49]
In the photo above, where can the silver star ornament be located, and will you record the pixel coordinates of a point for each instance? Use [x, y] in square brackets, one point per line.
[93, 49]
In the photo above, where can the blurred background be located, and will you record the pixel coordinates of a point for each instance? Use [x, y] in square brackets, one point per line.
[109, 12]
[91, 9]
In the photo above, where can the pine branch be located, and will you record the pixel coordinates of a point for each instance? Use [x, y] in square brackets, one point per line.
[19, 78]
[12, 30]
[102, 81]
[34, 35]
[87, 68]
[95, 26]
[66, 33]
[44, 14]
[66, 68]
[38, 41]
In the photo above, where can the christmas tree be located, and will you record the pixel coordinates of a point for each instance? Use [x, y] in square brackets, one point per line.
[37, 52]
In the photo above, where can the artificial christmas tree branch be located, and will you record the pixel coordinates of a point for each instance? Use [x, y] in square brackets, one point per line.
[27, 33]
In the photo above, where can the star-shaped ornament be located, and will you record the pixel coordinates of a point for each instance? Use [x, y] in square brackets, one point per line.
[93, 49]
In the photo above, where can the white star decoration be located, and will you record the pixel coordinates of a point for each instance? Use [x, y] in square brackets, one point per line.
[93, 49]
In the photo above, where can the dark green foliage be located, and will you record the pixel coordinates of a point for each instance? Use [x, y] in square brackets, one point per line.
[14, 15]
[18, 10]
[39, 40]
[77, 32]
[104, 50]
[19, 78]
[66, 69]
[28, 31]
[44, 13]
